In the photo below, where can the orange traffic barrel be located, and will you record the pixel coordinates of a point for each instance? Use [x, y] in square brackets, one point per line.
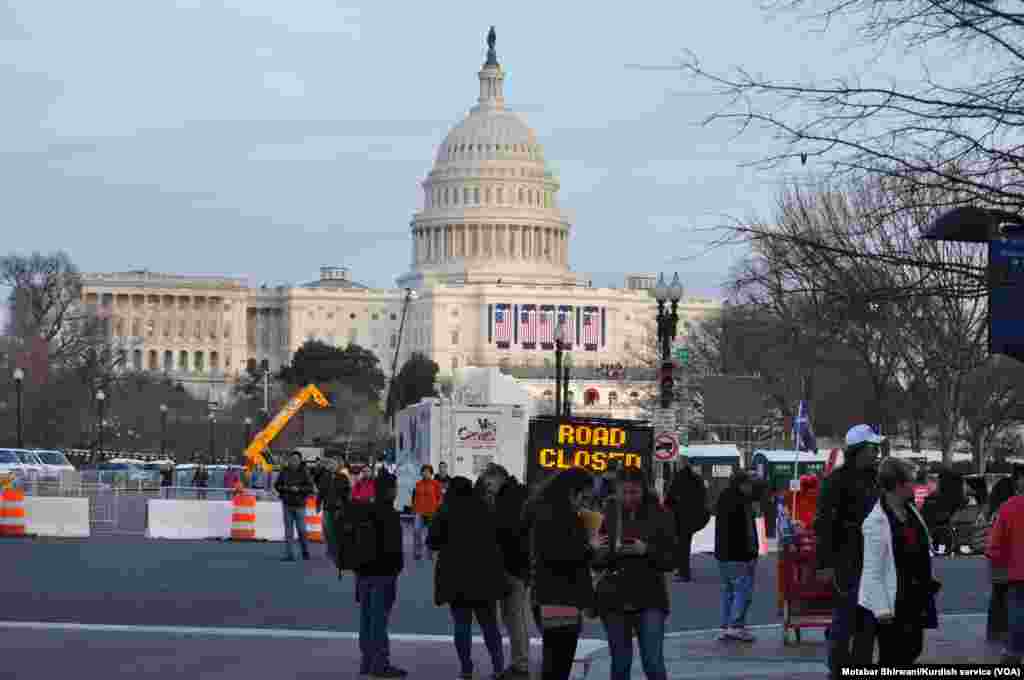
[313, 529]
[243, 517]
[12, 513]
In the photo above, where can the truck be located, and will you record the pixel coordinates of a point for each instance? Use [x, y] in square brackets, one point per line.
[465, 438]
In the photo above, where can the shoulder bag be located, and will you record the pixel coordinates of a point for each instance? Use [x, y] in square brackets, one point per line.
[553, 616]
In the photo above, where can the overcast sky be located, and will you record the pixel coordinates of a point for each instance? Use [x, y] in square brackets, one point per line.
[263, 139]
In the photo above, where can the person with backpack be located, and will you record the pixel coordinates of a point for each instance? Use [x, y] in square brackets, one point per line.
[294, 486]
[688, 499]
[470, 576]
[372, 548]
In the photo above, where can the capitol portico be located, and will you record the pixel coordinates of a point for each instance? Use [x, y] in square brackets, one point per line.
[489, 267]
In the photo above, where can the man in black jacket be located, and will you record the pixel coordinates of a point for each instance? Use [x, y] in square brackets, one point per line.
[377, 582]
[507, 497]
[846, 498]
[736, 549]
[688, 498]
[333, 494]
[294, 486]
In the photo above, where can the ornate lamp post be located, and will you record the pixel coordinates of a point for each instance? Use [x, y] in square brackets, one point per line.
[668, 319]
[163, 431]
[19, 379]
[558, 370]
[248, 435]
[101, 398]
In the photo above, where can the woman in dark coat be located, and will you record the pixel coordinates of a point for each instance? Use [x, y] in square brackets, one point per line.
[640, 549]
[561, 554]
[470, 575]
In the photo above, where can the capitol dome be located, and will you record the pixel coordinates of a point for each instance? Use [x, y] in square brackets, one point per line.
[490, 205]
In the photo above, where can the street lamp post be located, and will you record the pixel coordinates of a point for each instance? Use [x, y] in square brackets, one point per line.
[392, 404]
[101, 399]
[163, 431]
[213, 424]
[558, 370]
[668, 319]
[248, 434]
[19, 379]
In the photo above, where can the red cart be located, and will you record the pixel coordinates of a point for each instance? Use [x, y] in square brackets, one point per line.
[807, 600]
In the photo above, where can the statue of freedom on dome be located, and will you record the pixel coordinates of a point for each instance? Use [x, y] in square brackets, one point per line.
[492, 56]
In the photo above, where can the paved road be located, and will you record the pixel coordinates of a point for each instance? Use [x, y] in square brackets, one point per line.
[114, 580]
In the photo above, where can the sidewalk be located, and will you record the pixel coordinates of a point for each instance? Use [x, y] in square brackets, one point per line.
[698, 654]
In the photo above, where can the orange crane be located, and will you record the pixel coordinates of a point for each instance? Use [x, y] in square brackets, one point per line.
[259, 444]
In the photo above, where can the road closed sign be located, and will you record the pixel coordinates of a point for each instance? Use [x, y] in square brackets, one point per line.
[666, 446]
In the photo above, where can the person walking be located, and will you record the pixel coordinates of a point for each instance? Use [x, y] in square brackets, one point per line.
[560, 557]
[632, 594]
[201, 480]
[294, 486]
[941, 506]
[846, 498]
[998, 624]
[426, 499]
[470, 577]
[896, 584]
[688, 499]
[507, 497]
[736, 549]
[377, 581]
[332, 500]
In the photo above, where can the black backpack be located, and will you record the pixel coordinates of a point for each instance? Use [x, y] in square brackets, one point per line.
[357, 538]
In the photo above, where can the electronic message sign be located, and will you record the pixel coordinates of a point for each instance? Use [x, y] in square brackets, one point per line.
[1006, 313]
[594, 444]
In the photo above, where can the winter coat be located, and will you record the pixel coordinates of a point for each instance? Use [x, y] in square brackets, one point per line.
[294, 486]
[364, 490]
[735, 532]
[886, 587]
[333, 493]
[508, 506]
[426, 498]
[643, 574]
[688, 499]
[847, 497]
[469, 569]
[561, 556]
[390, 559]
[1006, 545]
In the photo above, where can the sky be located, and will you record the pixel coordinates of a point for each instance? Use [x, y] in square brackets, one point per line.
[263, 139]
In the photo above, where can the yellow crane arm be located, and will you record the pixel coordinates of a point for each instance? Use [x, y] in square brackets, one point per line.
[259, 444]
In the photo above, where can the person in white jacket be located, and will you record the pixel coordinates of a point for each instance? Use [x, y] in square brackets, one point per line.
[896, 584]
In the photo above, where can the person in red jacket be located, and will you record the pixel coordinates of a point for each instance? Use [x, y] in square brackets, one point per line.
[365, 490]
[1006, 552]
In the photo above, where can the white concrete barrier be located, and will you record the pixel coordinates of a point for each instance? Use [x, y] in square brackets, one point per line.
[195, 519]
[66, 517]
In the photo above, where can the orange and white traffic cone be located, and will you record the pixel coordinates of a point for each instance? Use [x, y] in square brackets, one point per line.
[314, 532]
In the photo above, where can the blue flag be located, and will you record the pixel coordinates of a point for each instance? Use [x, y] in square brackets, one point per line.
[803, 434]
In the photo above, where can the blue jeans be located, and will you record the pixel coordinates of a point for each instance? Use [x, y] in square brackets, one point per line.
[737, 591]
[420, 527]
[649, 626]
[1015, 617]
[487, 617]
[294, 522]
[376, 598]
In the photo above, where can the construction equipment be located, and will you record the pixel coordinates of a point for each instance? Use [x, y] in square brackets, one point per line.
[254, 452]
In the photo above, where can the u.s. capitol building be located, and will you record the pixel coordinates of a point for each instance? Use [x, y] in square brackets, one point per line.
[489, 276]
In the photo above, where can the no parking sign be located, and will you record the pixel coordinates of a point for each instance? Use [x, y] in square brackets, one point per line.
[666, 447]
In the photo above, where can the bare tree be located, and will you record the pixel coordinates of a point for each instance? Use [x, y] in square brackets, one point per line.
[964, 119]
[991, 397]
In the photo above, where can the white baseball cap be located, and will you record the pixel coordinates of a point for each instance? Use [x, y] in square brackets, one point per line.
[860, 434]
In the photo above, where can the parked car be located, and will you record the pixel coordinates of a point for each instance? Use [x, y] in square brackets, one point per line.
[55, 463]
[10, 463]
[31, 463]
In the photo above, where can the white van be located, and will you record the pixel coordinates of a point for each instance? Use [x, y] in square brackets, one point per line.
[55, 463]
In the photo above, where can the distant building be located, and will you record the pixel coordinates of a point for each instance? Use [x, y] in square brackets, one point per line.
[489, 265]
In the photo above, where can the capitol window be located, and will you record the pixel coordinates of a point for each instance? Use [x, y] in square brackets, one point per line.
[455, 337]
[520, 195]
[455, 196]
[501, 197]
[446, 195]
[351, 316]
[394, 317]
[487, 195]
[613, 398]
[150, 327]
[375, 316]
[465, 196]
[476, 196]
[182, 330]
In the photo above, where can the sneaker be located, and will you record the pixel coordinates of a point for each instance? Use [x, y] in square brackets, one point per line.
[390, 672]
[465, 676]
[742, 634]
[723, 635]
[511, 673]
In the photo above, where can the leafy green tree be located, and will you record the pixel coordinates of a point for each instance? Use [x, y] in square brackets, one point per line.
[415, 381]
[354, 366]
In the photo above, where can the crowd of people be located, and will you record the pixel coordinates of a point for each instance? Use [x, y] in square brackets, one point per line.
[581, 547]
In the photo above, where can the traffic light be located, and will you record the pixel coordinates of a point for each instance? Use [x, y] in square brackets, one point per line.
[667, 384]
